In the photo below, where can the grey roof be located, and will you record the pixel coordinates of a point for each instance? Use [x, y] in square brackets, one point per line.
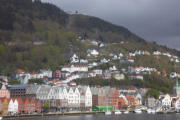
[95, 91]
[14, 87]
[58, 89]
[82, 89]
[44, 90]
[33, 89]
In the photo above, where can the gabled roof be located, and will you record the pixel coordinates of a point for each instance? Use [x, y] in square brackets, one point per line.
[44, 90]
[95, 91]
[33, 89]
[3, 87]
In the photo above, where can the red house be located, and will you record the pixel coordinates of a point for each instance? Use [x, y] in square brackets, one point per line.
[27, 105]
[115, 98]
[38, 106]
[20, 105]
[32, 107]
[122, 103]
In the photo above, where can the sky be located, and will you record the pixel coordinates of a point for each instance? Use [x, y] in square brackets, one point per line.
[153, 20]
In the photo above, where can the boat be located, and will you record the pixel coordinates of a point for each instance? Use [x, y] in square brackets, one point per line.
[117, 112]
[149, 111]
[107, 113]
[138, 111]
[153, 111]
[126, 112]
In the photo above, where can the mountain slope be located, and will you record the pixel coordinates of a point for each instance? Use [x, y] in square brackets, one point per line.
[35, 35]
[95, 27]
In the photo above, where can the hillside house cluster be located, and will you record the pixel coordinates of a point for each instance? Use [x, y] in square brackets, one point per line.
[24, 77]
[79, 68]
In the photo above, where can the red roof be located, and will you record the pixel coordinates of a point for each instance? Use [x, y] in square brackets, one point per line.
[129, 97]
[20, 71]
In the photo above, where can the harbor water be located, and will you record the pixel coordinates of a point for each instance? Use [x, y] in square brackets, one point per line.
[130, 116]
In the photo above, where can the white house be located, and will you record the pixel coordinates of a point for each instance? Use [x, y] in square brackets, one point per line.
[65, 93]
[139, 97]
[132, 54]
[118, 76]
[91, 74]
[93, 52]
[44, 92]
[121, 55]
[174, 75]
[88, 97]
[177, 104]
[166, 102]
[101, 45]
[94, 64]
[98, 71]
[83, 61]
[112, 68]
[177, 61]
[94, 43]
[131, 60]
[77, 97]
[54, 93]
[46, 73]
[4, 78]
[74, 59]
[167, 54]
[115, 57]
[73, 97]
[16, 106]
[157, 53]
[71, 78]
[104, 60]
[75, 68]
[23, 78]
[13, 106]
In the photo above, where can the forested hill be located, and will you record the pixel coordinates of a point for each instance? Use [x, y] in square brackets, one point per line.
[36, 35]
[19, 15]
[23, 12]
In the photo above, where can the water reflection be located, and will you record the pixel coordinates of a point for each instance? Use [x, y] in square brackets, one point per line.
[111, 117]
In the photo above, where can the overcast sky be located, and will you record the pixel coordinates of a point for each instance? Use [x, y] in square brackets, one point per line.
[153, 20]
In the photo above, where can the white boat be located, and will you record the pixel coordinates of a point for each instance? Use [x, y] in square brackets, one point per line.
[126, 112]
[117, 112]
[149, 111]
[107, 113]
[138, 111]
[153, 111]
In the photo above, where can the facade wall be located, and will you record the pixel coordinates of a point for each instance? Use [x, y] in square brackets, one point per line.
[4, 92]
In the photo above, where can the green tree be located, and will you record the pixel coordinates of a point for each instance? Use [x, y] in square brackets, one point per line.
[46, 106]
[153, 93]
[38, 81]
[13, 82]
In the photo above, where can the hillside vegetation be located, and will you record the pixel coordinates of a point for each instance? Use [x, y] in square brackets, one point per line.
[36, 35]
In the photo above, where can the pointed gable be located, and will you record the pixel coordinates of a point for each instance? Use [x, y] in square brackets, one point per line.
[3, 87]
